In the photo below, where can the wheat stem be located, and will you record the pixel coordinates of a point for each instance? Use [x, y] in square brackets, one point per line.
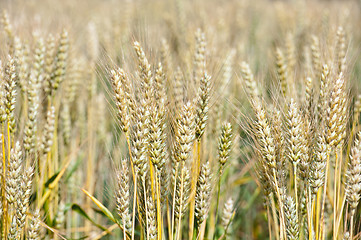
[179, 233]
[174, 193]
[324, 194]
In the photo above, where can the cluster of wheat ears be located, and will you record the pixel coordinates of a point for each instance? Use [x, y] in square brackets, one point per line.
[110, 132]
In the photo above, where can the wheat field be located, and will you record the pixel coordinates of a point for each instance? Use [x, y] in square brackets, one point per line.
[180, 119]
